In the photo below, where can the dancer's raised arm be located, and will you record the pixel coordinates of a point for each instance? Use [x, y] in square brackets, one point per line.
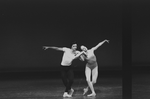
[52, 47]
[99, 44]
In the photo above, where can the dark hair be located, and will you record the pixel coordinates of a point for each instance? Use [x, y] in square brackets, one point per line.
[74, 44]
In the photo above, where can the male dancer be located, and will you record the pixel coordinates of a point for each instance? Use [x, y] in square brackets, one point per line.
[66, 69]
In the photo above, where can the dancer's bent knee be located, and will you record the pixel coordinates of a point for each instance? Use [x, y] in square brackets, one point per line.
[88, 80]
[94, 81]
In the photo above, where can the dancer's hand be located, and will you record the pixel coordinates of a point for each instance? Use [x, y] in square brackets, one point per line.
[44, 47]
[107, 41]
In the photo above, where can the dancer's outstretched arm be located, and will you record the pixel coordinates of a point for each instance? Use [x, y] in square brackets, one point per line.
[99, 44]
[52, 47]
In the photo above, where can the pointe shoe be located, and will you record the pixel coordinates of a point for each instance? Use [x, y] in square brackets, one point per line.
[71, 92]
[66, 95]
[85, 90]
[92, 95]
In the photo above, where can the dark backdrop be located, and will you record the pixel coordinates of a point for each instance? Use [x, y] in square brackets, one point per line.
[141, 35]
[27, 25]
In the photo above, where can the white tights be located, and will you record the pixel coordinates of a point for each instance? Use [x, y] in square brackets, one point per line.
[94, 73]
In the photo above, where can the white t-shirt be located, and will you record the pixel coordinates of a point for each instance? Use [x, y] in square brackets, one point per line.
[68, 57]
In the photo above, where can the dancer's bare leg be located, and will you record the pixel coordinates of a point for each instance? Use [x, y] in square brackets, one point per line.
[88, 79]
[94, 79]
[94, 75]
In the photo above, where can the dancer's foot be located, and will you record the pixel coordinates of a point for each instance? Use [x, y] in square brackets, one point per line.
[66, 95]
[71, 92]
[85, 90]
[92, 95]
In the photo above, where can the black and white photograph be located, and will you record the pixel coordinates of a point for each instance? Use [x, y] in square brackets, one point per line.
[64, 49]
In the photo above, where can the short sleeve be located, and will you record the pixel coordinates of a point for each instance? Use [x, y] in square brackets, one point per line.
[64, 49]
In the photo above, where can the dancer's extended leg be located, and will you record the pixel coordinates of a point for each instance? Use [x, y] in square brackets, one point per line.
[88, 79]
[94, 79]
[65, 80]
[71, 80]
[94, 75]
[64, 77]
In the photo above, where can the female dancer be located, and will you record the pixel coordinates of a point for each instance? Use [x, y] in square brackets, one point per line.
[91, 67]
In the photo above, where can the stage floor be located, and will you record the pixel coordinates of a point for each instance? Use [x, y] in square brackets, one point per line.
[141, 86]
[52, 88]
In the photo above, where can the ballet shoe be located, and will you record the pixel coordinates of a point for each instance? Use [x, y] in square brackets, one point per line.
[71, 92]
[85, 90]
[66, 95]
[92, 95]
